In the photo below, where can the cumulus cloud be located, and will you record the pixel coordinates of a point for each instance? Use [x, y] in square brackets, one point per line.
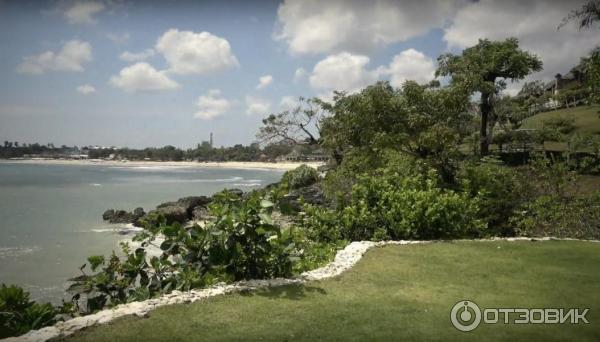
[350, 73]
[264, 81]
[189, 52]
[299, 74]
[136, 56]
[312, 26]
[257, 106]
[211, 105]
[86, 89]
[342, 72]
[82, 12]
[410, 65]
[142, 77]
[71, 57]
[532, 22]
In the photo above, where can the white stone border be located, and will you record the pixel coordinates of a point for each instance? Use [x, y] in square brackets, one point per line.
[344, 260]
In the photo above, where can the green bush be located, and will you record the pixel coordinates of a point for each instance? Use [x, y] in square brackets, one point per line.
[18, 314]
[391, 205]
[300, 177]
[241, 243]
[561, 217]
[501, 190]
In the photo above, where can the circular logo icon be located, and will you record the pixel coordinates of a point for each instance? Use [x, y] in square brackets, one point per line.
[465, 315]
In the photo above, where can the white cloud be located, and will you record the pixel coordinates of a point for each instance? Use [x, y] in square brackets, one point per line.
[350, 73]
[142, 77]
[86, 89]
[71, 57]
[264, 81]
[312, 26]
[119, 39]
[534, 23]
[211, 105]
[410, 65]
[257, 106]
[136, 57]
[189, 52]
[82, 12]
[342, 72]
[299, 74]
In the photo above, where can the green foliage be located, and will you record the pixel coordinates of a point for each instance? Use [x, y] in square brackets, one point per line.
[562, 125]
[501, 191]
[241, 243]
[392, 205]
[299, 177]
[18, 314]
[485, 68]
[552, 215]
[427, 123]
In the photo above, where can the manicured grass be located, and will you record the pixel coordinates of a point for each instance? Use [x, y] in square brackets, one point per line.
[395, 293]
[587, 120]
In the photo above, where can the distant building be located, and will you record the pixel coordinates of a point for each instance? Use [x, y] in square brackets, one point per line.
[304, 156]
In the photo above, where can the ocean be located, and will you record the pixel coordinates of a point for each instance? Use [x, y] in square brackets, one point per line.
[51, 215]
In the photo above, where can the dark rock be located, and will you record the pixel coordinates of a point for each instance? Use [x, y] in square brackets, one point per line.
[138, 212]
[122, 216]
[173, 213]
[200, 213]
[107, 215]
[312, 194]
[237, 192]
[191, 202]
[167, 204]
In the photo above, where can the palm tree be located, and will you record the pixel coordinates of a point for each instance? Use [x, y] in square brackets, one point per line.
[584, 16]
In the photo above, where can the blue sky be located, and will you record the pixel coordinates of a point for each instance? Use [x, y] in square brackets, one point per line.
[191, 68]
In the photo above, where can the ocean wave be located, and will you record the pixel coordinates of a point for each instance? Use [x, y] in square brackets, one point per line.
[247, 184]
[95, 184]
[12, 252]
[181, 180]
[120, 229]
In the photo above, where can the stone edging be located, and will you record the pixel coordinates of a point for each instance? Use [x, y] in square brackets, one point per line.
[344, 260]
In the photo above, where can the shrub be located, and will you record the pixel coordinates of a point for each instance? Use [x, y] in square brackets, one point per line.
[501, 191]
[300, 177]
[391, 205]
[551, 215]
[18, 314]
[241, 243]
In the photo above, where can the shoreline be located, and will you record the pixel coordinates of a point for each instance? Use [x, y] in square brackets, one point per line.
[284, 166]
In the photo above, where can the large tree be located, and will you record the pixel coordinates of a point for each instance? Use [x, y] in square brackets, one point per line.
[425, 122]
[300, 125]
[485, 68]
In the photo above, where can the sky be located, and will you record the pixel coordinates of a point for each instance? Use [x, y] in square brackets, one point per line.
[154, 73]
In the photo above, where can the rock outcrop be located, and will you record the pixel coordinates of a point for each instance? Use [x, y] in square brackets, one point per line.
[312, 194]
[182, 210]
[122, 216]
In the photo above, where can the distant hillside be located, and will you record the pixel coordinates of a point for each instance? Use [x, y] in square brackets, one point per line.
[587, 119]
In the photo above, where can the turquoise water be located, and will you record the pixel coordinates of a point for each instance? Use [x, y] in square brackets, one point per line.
[51, 215]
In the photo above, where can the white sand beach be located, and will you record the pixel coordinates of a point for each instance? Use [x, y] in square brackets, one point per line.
[229, 165]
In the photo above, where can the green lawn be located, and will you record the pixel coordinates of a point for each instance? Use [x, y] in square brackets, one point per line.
[395, 293]
[586, 118]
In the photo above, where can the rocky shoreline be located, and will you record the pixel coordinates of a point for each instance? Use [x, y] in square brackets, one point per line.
[195, 208]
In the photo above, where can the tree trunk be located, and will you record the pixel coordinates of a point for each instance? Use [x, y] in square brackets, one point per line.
[485, 108]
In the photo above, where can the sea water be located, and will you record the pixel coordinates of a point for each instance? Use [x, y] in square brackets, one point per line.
[51, 215]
